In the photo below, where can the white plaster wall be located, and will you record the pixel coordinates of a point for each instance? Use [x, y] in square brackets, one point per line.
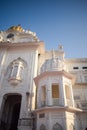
[30, 56]
[57, 117]
[70, 120]
[76, 63]
[81, 91]
[51, 118]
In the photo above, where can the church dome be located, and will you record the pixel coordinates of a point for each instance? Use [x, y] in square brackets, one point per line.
[53, 64]
[16, 28]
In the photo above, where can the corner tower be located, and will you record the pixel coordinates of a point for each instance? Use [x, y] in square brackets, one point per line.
[54, 93]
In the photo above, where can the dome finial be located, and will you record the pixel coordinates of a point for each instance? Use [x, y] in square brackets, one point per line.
[53, 53]
[60, 47]
[16, 28]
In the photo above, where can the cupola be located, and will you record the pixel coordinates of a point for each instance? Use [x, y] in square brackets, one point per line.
[56, 63]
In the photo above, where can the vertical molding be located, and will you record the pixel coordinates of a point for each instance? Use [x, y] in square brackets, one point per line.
[49, 92]
[62, 92]
[2, 65]
[33, 74]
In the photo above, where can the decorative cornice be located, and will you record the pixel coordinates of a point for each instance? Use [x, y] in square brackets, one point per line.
[59, 108]
[76, 60]
[39, 45]
[54, 73]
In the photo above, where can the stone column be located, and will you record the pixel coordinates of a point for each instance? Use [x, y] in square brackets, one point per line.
[49, 93]
[62, 93]
[3, 55]
[72, 98]
[25, 121]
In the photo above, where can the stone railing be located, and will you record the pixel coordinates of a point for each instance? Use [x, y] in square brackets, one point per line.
[56, 101]
[81, 105]
[43, 103]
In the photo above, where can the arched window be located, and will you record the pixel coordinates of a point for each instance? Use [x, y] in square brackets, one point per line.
[15, 71]
[42, 127]
[57, 127]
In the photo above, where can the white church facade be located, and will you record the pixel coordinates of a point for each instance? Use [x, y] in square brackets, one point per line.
[40, 89]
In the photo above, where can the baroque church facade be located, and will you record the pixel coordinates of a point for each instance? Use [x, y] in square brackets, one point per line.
[40, 89]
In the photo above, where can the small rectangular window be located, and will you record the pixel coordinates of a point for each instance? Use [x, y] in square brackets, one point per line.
[42, 115]
[77, 97]
[75, 67]
[84, 67]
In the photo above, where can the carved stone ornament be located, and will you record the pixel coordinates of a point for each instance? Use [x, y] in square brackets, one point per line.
[16, 34]
[54, 64]
[25, 122]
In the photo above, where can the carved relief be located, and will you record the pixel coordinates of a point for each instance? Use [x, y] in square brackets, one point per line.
[53, 64]
[42, 127]
[17, 34]
[57, 127]
[25, 122]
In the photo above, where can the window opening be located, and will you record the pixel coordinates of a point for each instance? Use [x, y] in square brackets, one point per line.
[84, 67]
[75, 67]
[42, 115]
[55, 91]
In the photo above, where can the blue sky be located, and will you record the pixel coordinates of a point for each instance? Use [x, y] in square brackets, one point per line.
[54, 21]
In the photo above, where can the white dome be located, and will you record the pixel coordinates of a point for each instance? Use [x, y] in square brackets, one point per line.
[54, 64]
